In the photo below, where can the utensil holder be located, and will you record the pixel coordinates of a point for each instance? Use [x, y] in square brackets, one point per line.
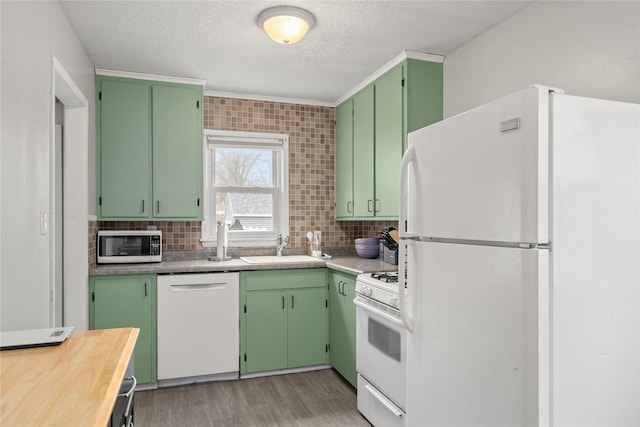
[391, 256]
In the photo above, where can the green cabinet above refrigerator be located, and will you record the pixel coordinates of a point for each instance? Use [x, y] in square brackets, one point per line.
[371, 134]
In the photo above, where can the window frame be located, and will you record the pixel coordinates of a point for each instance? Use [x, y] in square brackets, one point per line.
[261, 140]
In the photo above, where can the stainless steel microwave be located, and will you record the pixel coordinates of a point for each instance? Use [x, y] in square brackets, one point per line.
[129, 246]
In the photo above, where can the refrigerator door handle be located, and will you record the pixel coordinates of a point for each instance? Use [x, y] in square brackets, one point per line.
[407, 242]
[408, 158]
[405, 294]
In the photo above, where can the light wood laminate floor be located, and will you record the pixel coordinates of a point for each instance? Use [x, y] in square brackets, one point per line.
[317, 398]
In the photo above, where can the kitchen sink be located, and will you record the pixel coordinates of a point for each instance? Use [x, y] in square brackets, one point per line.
[285, 259]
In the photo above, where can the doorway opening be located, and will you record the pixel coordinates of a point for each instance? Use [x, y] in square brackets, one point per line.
[57, 215]
[68, 202]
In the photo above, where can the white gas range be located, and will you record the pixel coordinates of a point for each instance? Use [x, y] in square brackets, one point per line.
[382, 288]
[380, 350]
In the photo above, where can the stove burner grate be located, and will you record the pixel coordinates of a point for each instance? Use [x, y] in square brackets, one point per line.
[389, 277]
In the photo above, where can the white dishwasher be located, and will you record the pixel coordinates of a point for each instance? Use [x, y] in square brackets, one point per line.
[198, 326]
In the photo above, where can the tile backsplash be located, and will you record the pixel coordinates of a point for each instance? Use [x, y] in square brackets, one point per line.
[311, 131]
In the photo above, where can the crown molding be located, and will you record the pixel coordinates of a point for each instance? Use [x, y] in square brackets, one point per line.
[253, 97]
[155, 77]
[407, 54]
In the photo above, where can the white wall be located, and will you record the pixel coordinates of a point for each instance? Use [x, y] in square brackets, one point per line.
[32, 33]
[587, 48]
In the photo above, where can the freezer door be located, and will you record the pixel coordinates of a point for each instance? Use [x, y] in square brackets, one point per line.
[482, 175]
[473, 358]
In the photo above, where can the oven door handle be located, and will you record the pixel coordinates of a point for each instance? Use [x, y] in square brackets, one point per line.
[378, 312]
[382, 399]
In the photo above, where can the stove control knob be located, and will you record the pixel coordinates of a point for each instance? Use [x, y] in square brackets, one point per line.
[394, 302]
[366, 290]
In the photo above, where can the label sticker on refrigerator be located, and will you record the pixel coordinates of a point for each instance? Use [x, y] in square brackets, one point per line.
[511, 124]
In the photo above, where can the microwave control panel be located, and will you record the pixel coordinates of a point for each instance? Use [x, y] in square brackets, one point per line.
[155, 245]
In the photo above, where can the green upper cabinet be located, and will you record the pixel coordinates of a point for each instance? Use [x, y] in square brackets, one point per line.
[423, 95]
[388, 142]
[405, 98]
[177, 152]
[363, 146]
[149, 149]
[124, 149]
[344, 159]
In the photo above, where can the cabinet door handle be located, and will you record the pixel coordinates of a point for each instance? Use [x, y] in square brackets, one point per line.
[291, 301]
[341, 287]
[158, 206]
[349, 207]
[283, 302]
[142, 205]
[377, 206]
[145, 289]
[369, 203]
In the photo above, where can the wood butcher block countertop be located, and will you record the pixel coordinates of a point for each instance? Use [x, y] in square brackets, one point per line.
[73, 384]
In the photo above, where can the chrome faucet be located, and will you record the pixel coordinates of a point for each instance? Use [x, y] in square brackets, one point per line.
[282, 242]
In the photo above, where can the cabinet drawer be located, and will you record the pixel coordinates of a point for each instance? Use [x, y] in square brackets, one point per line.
[284, 279]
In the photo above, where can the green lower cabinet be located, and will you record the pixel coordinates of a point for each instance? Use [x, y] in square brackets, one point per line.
[284, 319]
[307, 327]
[128, 301]
[266, 330]
[342, 325]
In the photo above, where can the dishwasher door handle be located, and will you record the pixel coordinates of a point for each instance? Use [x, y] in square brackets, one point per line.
[198, 287]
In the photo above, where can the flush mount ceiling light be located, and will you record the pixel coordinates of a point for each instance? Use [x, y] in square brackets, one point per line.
[286, 24]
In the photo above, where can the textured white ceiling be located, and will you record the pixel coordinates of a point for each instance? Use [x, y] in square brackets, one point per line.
[219, 41]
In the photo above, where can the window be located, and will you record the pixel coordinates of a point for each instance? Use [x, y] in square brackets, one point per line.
[246, 186]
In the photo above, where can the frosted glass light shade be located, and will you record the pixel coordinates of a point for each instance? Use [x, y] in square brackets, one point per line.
[285, 24]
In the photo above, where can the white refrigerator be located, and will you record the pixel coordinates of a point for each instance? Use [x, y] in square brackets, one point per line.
[520, 238]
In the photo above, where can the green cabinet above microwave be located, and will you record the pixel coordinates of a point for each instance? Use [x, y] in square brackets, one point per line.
[148, 149]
